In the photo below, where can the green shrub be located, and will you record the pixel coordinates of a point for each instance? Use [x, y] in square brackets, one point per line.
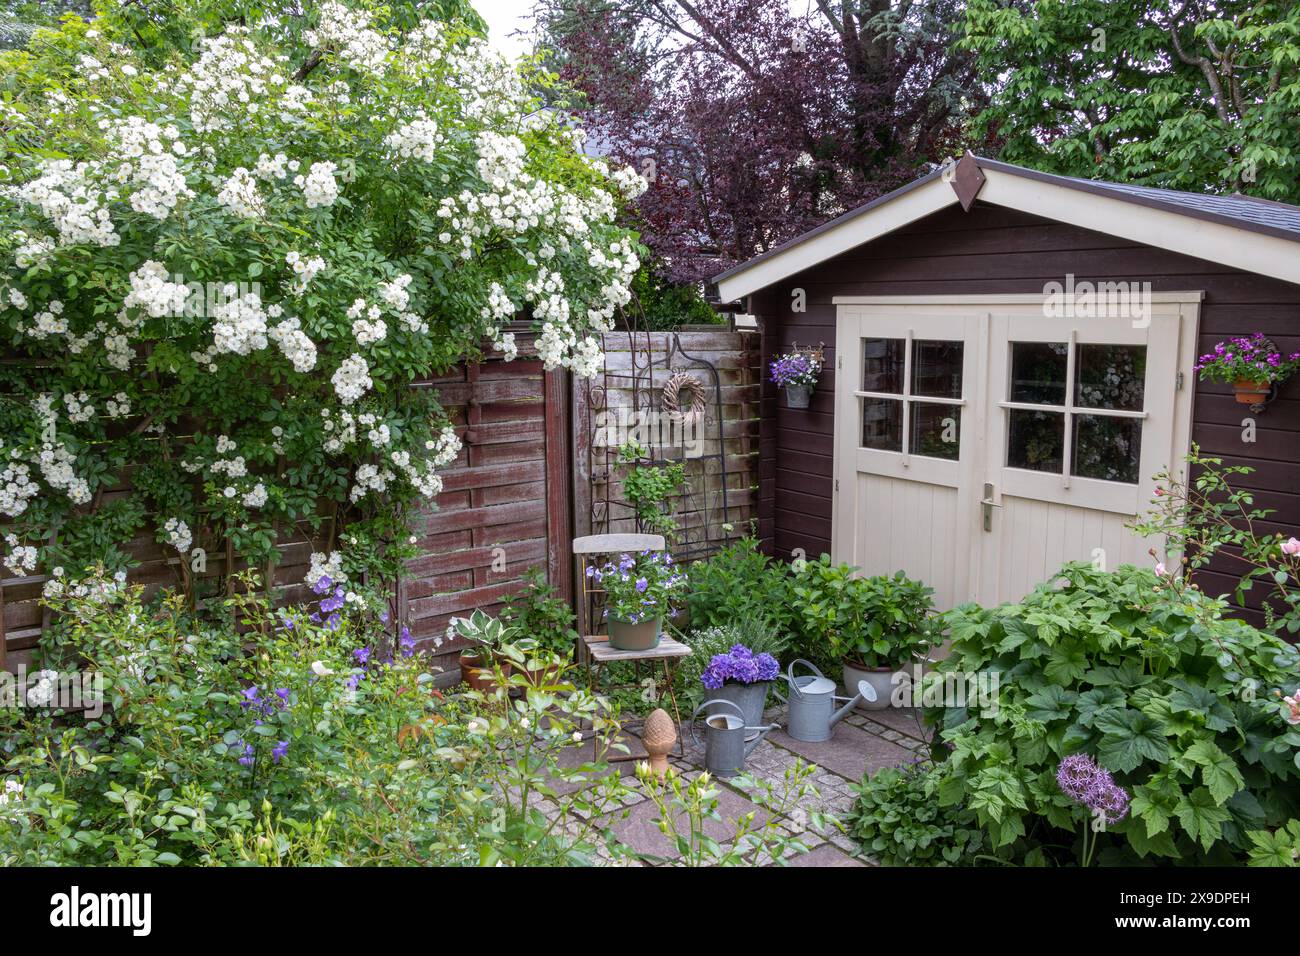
[540, 614]
[285, 741]
[897, 818]
[875, 621]
[1144, 674]
[741, 583]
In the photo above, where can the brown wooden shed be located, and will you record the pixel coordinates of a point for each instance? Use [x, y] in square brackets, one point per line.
[1009, 361]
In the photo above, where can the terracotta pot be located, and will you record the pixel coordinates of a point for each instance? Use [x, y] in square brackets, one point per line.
[626, 636]
[1250, 393]
[542, 675]
[477, 676]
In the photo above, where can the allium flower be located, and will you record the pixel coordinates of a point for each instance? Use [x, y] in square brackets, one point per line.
[1092, 786]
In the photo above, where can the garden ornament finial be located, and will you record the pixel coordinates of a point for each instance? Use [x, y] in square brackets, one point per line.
[658, 736]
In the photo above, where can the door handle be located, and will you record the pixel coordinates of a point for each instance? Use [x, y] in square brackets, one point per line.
[987, 504]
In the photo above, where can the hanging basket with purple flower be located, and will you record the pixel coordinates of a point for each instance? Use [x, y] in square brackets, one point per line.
[1252, 366]
[797, 372]
[639, 590]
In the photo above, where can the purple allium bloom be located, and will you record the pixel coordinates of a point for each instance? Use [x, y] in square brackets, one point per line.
[279, 750]
[1084, 782]
[362, 654]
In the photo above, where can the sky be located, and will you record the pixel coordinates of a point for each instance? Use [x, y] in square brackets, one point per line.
[503, 18]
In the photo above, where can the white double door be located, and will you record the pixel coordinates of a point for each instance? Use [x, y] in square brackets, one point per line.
[982, 444]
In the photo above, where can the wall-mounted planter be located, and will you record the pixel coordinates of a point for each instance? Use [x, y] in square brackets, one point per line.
[797, 396]
[1251, 393]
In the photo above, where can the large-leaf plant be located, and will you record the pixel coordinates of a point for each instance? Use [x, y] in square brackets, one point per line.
[1144, 674]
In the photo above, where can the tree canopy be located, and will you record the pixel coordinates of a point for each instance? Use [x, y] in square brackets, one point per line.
[1184, 94]
[754, 124]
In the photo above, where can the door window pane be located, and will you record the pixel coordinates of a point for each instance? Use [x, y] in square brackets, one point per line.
[1038, 372]
[936, 430]
[1110, 376]
[936, 369]
[882, 424]
[882, 365]
[1107, 448]
[1036, 440]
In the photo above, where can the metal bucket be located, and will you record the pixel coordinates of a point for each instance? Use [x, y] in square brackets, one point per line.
[725, 746]
[750, 698]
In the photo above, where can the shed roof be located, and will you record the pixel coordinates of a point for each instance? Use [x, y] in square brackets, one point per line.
[1256, 235]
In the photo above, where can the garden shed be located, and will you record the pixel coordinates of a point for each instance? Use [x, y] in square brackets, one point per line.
[1010, 357]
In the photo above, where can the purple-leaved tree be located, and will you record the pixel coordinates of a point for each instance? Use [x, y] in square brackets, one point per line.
[754, 123]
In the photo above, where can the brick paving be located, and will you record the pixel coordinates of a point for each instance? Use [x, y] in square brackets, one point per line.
[863, 741]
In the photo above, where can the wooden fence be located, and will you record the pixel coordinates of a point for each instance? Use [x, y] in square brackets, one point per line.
[512, 501]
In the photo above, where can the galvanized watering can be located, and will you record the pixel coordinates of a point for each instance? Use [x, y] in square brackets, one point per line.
[725, 748]
[812, 714]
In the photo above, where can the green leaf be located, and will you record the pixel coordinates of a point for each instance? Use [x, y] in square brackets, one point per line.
[1130, 737]
[1218, 771]
[1201, 816]
[1066, 665]
[1049, 703]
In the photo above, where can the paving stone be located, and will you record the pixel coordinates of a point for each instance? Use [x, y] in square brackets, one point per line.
[850, 752]
[824, 855]
[574, 757]
[908, 721]
[640, 831]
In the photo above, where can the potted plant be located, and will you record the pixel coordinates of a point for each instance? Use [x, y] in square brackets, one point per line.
[874, 626]
[544, 622]
[742, 677]
[1253, 366]
[639, 589]
[489, 639]
[797, 372]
